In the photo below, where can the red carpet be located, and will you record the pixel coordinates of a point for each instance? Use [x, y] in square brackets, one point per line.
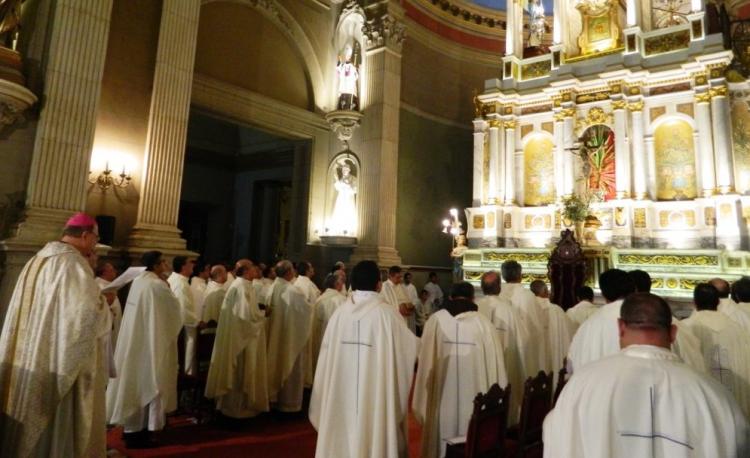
[271, 435]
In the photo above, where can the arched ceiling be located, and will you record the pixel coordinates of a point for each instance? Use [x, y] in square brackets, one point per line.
[500, 5]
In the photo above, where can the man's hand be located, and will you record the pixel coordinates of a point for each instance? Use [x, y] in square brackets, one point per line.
[406, 309]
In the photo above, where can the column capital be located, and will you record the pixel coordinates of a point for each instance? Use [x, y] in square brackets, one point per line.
[619, 104]
[703, 97]
[511, 124]
[383, 26]
[718, 91]
[636, 107]
[495, 123]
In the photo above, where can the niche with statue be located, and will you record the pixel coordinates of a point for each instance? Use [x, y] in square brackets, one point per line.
[342, 190]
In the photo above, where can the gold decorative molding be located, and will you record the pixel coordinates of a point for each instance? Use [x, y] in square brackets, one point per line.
[615, 87]
[703, 97]
[557, 100]
[669, 260]
[636, 106]
[496, 123]
[700, 79]
[536, 70]
[668, 42]
[595, 116]
[718, 91]
[568, 112]
[619, 104]
[512, 124]
[495, 256]
[592, 97]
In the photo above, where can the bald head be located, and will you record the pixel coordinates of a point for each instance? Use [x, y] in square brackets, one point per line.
[246, 263]
[490, 283]
[646, 319]
[218, 273]
[721, 285]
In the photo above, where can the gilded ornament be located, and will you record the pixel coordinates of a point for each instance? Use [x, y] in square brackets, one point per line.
[734, 262]
[496, 256]
[668, 260]
[597, 115]
[478, 222]
[689, 283]
[672, 283]
[619, 104]
[478, 107]
[472, 275]
[636, 106]
[718, 91]
[661, 44]
[536, 70]
[703, 97]
[657, 283]
[512, 124]
[496, 123]
[568, 112]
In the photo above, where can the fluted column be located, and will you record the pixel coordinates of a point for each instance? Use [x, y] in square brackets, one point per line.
[569, 172]
[492, 198]
[65, 131]
[75, 55]
[164, 157]
[722, 139]
[640, 167]
[622, 154]
[478, 181]
[384, 35]
[510, 151]
[559, 155]
[705, 144]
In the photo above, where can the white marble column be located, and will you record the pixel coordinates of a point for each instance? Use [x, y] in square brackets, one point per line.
[622, 154]
[559, 155]
[510, 149]
[159, 203]
[501, 164]
[722, 129]
[61, 155]
[494, 139]
[650, 167]
[640, 164]
[478, 180]
[705, 144]
[384, 35]
[569, 172]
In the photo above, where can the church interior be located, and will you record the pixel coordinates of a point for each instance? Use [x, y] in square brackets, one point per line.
[445, 136]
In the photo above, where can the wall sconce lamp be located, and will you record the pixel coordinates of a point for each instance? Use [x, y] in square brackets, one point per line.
[105, 180]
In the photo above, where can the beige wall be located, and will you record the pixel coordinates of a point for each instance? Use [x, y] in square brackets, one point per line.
[122, 120]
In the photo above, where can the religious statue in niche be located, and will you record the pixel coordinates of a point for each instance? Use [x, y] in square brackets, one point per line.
[668, 13]
[348, 73]
[343, 220]
[600, 31]
[598, 152]
[675, 161]
[536, 23]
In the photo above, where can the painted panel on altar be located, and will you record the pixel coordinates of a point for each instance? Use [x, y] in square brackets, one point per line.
[741, 140]
[599, 147]
[539, 171]
[675, 161]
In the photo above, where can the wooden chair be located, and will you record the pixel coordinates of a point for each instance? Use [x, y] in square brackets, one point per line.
[488, 425]
[536, 404]
[561, 381]
[190, 387]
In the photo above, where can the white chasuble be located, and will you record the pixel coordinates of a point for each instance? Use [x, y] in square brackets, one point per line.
[237, 376]
[582, 311]
[459, 357]
[324, 307]
[311, 293]
[115, 309]
[359, 401]
[599, 337]
[395, 294]
[198, 287]
[53, 358]
[739, 313]
[531, 312]
[726, 351]
[560, 330]
[190, 318]
[521, 352]
[215, 293]
[289, 328]
[146, 355]
[644, 402]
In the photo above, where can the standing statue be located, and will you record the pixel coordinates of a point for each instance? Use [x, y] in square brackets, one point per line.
[344, 215]
[348, 76]
[10, 21]
[536, 23]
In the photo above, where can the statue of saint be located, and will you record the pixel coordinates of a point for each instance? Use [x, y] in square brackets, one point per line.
[348, 76]
[344, 215]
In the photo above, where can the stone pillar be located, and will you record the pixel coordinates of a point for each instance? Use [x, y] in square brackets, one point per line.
[622, 154]
[501, 187]
[705, 144]
[492, 198]
[559, 155]
[640, 164]
[569, 173]
[156, 227]
[384, 35]
[722, 129]
[510, 168]
[650, 167]
[64, 134]
[478, 181]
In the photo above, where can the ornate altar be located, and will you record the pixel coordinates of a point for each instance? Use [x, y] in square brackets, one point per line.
[600, 30]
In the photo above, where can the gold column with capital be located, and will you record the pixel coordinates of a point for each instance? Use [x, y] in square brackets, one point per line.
[705, 143]
[156, 228]
[721, 125]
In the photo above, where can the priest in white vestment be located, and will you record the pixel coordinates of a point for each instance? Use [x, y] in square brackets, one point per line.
[394, 293]
[215, 293]
[289, 329]
[323, 309]
[178, 282]
[643, 401]
[522, 355]
[597, 336]
[237, 376]
[724, 344]
[460, 355]
[585, 306]
[359, 402]
[53, 353]
[199, 284]
[104, 276]
[305, 273]
[560, 329]
[145, 388]
[436, 293]
[737, 312]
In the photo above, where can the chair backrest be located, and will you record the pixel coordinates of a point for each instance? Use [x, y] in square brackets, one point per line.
[537, 402]
[561, 381]
[205, 348]
[181, 351]
[488, 424]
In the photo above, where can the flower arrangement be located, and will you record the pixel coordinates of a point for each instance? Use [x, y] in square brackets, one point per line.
[575, 208]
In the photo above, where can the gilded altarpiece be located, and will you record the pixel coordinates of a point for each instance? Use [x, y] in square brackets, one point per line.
[599, 148]
[674, 152]
[539, 171]
[741, 140]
